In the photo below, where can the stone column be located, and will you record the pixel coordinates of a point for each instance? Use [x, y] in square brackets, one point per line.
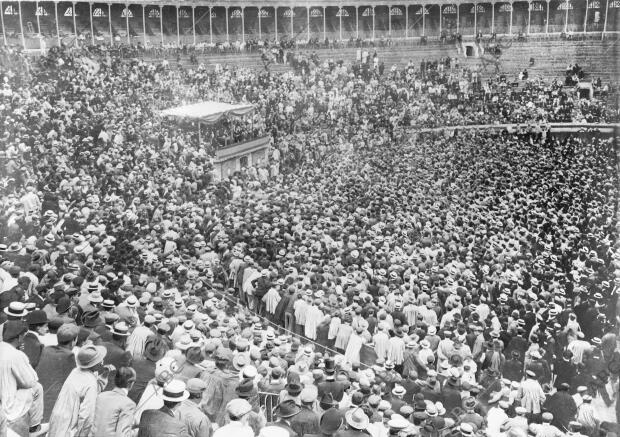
[109, 22]
[178, 28]
[57, 25]
[194, 24]
[21, 24]
[127, 23]
[92, 27]
[227, 34]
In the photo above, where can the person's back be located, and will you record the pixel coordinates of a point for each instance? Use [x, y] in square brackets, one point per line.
[114, 411]
[54, 367]
[161, 423]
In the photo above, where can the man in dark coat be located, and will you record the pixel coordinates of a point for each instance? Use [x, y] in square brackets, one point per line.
[335, 388]
[117, 355]
[513, 367]
[37, 325]
[306, 421]
[451, 394]
[164, 422]
[285, 413]
[562, 405]
[565, 369]
[55, 365]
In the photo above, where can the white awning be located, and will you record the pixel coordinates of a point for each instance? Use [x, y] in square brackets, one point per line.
[207, 112]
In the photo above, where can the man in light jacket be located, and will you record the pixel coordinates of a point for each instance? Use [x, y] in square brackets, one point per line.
[114, 411]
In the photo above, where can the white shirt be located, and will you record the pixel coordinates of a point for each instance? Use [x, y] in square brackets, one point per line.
[236, 429]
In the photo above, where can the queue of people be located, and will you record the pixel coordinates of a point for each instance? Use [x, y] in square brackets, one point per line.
[381, 283]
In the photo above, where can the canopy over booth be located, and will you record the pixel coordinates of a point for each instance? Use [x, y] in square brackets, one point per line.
[207, 112]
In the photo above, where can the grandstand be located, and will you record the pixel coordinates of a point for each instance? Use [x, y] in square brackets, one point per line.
[45, 23]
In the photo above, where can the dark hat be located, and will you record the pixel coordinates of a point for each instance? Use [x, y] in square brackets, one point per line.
[37, 317]
[331, 421]
[245, 389]
[13, 329]
[287, 409]
[90, 319]
[293, 388]
[63, 305]
[330, 367]
[154, 348]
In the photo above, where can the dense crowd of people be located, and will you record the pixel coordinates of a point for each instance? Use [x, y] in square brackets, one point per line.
[367, 281]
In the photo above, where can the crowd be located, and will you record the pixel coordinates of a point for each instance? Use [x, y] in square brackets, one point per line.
[376, 283]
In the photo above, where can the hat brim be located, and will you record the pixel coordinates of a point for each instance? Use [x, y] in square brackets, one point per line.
[9, 313]
[359, 426]
[178, 399]
[332, 428]
[98, 358]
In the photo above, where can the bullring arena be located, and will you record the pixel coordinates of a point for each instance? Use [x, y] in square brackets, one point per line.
[257, 219]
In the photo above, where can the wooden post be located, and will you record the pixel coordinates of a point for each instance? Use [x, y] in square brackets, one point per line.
[260, 35]
[566, 18]
[529, 17]
[21, 24]
[357, 22]
[492, 18]
[194, 24]
[210, 24]
[424, 18]
[585, 20]
[308, 21]
[547, 23]
[510, 26]
[243, 24]
[406, 21]
[227, 34]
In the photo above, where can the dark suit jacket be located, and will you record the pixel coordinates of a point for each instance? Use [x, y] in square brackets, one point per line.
[54, 367]
[335, 388]
[116, 355]
[161, 423]
[32, 348]
[306, 422]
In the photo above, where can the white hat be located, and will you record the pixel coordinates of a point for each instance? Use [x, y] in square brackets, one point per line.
[175, 391]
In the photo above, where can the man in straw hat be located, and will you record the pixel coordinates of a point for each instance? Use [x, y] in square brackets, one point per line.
[165, 421]
[356, 423]
[195, 420]
[74, 411]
